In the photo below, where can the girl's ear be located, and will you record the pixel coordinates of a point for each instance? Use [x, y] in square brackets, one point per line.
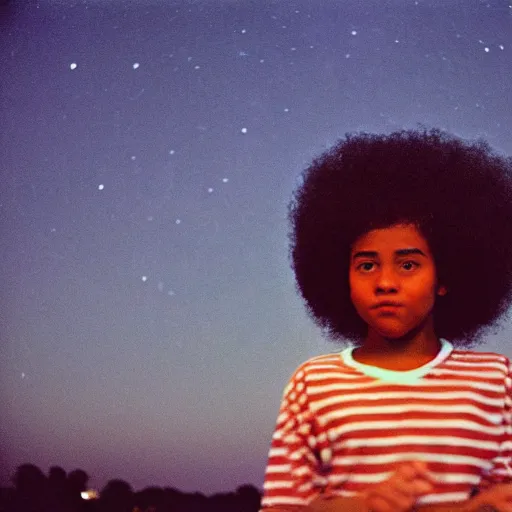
[442, 290]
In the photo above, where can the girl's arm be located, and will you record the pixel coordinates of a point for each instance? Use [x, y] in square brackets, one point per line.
[321, 504]
[465, 506]
[336, 504]
[353, 505]
[494, 499]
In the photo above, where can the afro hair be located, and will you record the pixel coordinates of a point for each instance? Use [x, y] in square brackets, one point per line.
[459, 196]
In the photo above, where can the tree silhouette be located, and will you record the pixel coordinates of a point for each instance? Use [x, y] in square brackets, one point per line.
[34, 492]
[30, 489]
[223, 502]
[196, 502]
[58, 495]
[77, 483]
[116, 496]
[152, 497]
[249, 497]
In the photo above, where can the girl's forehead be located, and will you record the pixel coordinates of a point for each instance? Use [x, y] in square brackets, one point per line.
[400, 236]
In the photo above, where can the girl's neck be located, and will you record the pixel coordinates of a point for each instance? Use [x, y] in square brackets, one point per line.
[398, 354]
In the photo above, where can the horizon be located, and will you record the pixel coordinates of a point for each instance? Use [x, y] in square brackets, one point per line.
[91, 487]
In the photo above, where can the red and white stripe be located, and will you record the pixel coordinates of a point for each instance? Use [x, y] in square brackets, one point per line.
[339, 431]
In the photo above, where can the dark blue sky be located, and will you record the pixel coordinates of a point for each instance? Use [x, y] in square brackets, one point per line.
[148, 150]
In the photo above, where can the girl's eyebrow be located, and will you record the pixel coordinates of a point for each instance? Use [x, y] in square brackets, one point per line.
[398, 252]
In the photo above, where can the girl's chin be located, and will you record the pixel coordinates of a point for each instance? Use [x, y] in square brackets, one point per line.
[393, 332]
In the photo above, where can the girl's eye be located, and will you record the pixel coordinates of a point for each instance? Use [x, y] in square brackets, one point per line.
[404, 263]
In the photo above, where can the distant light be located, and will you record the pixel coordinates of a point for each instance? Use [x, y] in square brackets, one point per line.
[354, 32]
[73, 65]
[144, 278]
[101, 187]
[244, 130]
[178, 221]
[136, 65]
[91, 494]
[171, 152]
[225, 180]
[486, 50]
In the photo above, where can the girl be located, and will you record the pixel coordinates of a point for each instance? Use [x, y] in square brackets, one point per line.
[402, 245]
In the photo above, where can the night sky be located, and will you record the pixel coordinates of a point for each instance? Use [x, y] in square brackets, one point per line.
[148, 151]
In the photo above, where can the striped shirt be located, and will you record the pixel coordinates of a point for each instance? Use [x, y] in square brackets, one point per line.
[343, 426]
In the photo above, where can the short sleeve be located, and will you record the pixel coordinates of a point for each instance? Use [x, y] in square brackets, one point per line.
[501, 471]
[299, 454]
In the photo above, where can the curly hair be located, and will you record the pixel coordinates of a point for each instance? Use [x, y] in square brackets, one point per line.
[459, 196]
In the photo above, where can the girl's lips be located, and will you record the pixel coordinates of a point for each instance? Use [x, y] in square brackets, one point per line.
[387, 303]
[387, 309]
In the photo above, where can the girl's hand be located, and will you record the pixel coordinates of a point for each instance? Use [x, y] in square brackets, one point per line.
[399, 492]
[497, 498]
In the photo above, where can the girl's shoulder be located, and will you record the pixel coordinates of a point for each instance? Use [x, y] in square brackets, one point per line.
[317, 363]
[480, 359]
[476, 355]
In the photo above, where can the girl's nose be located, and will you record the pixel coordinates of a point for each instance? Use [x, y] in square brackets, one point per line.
[387, 279]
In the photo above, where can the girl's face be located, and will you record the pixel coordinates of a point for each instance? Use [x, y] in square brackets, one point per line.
[393, 264]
